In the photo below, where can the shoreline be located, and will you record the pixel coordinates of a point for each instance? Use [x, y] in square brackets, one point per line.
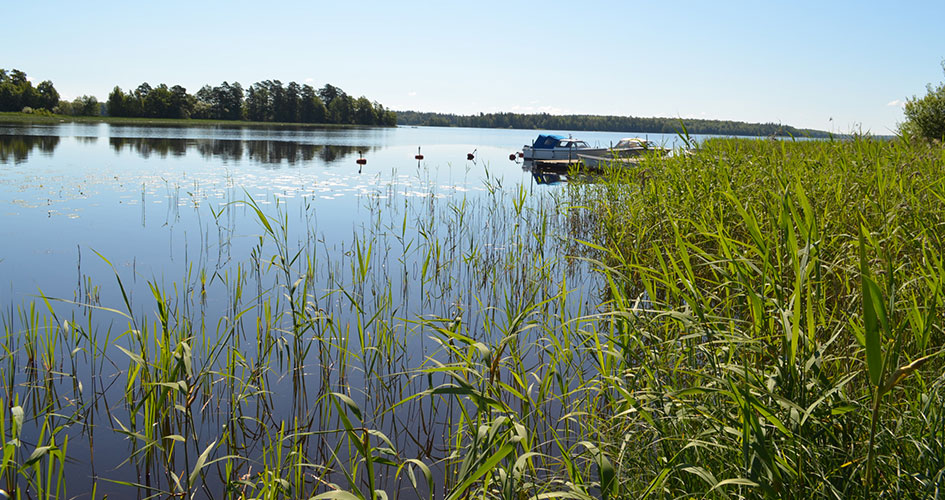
[19, 117]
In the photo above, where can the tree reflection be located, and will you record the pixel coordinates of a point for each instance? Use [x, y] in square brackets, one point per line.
[269, 154]
[146, 146]
[17, 148]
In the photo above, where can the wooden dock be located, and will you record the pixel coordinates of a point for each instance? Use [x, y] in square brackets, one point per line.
[588, 162]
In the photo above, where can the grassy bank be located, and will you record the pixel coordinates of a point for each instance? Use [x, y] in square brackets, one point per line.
[766, 322]
[9, 117]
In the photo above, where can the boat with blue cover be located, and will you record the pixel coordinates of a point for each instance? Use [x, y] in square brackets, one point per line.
[556, 147]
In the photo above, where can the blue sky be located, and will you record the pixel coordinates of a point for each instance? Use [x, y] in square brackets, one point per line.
[826, 65]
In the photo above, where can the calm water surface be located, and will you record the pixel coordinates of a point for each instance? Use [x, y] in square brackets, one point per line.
[83, 206]
[140, 196]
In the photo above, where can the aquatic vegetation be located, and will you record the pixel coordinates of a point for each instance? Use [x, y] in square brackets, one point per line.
[756, 319]
[778, 306]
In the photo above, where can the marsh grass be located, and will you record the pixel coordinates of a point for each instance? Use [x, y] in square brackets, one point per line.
[780, 304]
[757, 319]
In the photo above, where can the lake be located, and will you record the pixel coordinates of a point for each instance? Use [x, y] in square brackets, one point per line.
[137, 194]
[177, 297]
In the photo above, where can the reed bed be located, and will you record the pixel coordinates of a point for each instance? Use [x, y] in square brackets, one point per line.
[756, 319]
[776, 320]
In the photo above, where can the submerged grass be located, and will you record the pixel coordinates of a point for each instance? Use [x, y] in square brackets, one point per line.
[765, 320]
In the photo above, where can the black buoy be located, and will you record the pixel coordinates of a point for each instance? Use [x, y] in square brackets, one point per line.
[361, 161]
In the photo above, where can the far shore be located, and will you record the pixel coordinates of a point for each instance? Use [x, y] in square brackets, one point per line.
[36, 118]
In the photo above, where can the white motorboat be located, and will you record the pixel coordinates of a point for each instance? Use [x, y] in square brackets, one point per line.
[629, 147]
[556, 147]
[627, 152]
[596, 161]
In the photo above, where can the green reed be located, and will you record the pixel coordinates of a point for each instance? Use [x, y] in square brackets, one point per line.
[754, 319]
[787, 328]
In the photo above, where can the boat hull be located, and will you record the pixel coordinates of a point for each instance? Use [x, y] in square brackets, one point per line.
[530, 153]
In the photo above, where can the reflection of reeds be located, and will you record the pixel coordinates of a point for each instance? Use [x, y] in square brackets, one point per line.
[769, 325]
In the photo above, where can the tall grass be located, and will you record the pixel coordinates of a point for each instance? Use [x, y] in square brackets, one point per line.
[777, 309]
[757, 319]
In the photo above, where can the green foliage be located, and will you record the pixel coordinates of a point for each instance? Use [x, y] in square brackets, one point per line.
[769, 326]
[925, 116]
[16, 92]
[544, 121]
[776, 307]
[266, 101]
[86, 105]
[311, 107]
[48, 96]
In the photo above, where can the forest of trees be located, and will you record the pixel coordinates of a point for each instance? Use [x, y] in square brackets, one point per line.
[17, 92]
[545, 121]
[268, 101]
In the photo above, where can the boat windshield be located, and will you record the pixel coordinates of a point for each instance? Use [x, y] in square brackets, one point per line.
[632, 143]
[571, 143]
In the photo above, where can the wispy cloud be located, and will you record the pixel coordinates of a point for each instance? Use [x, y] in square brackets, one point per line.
[411, 93]
[896, 103]
[309, 80]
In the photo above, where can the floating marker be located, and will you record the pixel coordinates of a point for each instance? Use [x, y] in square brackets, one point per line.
[419, 156]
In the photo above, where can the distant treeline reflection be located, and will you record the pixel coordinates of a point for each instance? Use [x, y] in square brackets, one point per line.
[270, 153]
[17, 148]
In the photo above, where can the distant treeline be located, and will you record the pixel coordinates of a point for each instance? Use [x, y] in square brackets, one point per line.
[267, 101]
[545, 121]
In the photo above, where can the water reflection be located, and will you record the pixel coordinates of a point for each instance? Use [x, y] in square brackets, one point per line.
[267, 153]
[252, 353]
[17, 148]
[578, 172]
[545, 177]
